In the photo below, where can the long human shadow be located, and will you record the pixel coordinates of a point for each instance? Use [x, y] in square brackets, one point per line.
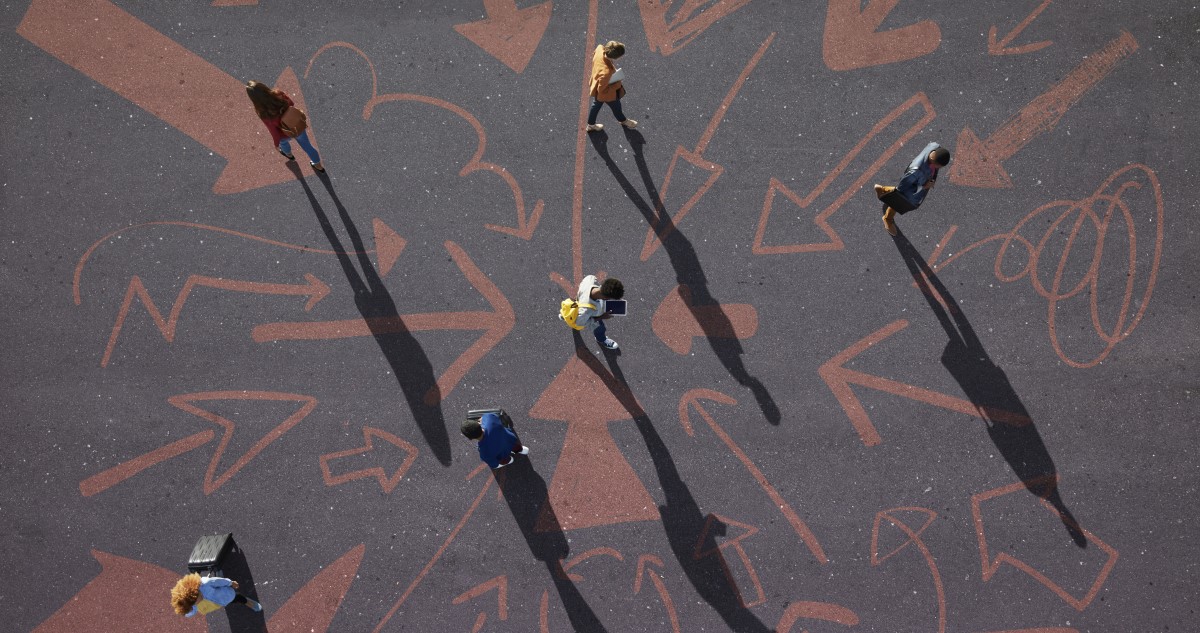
[682, 519]
[410, 365]
[241, 619]
[988, 388]
[718, 329]
[526, 494]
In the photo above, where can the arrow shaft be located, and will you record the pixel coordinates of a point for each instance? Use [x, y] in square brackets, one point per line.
[1024, 23]
[499, 7]
[253, 287]
[144, 66]
[1044, 112]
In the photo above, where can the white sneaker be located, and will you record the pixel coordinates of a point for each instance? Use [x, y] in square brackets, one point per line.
[609, 343]
[595, 127]
[524, 450]
[629, 123]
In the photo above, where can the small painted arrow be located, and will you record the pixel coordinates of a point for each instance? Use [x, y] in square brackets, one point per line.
[174, 84]
[979, 163]
[839, 380]
[677, 321]
[735, 543]
[509, 34]
[500, 585]
[1001, 47]
[851, 40]
[655, 575]
[370, 434]
[315, 290]
[668, 36]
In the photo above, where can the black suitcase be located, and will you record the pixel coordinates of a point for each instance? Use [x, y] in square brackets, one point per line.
[475, 414]
[210, 551]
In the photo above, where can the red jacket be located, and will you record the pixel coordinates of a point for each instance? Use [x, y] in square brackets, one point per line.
[277, 134]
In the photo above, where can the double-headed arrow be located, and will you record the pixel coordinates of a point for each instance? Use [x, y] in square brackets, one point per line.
[174, 84]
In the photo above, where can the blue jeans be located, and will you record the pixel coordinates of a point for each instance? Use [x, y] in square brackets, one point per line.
[313, 156]
[600, 331]
[615, 105]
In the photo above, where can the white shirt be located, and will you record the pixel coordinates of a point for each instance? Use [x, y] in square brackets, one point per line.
[587, 315]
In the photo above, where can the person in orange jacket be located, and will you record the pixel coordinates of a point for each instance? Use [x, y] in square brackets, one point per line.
[604, 89]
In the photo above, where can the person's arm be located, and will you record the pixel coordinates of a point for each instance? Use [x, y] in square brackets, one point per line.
[923, 156]
[217, 581]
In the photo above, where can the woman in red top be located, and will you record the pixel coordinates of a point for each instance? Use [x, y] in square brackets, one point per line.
[270, 105]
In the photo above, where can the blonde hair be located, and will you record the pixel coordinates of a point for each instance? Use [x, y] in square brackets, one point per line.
[186, 593]
[614, 49]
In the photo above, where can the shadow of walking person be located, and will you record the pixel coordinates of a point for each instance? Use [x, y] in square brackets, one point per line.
[241, 619]
[988, 388]
[718, 329]
[410, 365]
[526, 494]
[682, 519]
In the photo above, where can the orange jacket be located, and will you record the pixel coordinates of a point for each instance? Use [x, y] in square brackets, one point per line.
[602, 69]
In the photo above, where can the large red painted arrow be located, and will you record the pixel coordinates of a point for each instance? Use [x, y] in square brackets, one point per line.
[496, 323]
[978, 163]
[103, 481]
[839, 379]
[370, 434]
[509, 34]
[314, 289]
[677, 321]
[174, 84]
[593, 483]
[668, 34]
[851, 40]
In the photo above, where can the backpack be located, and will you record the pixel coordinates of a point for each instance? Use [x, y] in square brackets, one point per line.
[568, 311]
[293, 122]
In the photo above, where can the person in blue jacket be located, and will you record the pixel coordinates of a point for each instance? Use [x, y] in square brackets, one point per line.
[195, 594]
[918, 179]
[497, 443]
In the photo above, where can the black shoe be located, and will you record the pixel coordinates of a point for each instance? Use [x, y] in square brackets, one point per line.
[317, 167]
[286, 155]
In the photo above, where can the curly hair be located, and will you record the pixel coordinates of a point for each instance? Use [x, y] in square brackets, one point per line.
[186, 593]
[614, 49]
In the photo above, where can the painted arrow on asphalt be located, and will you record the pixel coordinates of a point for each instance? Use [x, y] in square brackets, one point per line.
[979, 163]
[174, 84]
[677, 321]
[509, 34]
[367, 453]
[500, 585]
[1000, 47]
[314, 289]
[690, 19]
[745, 532]
[851, 40]
[644, 570]
[840, 379]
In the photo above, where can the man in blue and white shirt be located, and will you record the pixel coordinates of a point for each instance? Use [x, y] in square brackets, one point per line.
[918, 179]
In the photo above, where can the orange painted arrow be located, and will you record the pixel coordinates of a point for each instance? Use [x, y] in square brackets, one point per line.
[655, 235]
[839, 380]
[823, 611]
[146, 67]
[990, 565]
[851, 40]
[692, 399]
[103, 481]
[386, 482]
[677, 321]
[736, 543]
[496, 324]
[835, 242]
[655, 576]
[500, 585]
[668, 35]
[315, 290]
[1001, 47]
[914, 538]
[979, 163]
[509, 34]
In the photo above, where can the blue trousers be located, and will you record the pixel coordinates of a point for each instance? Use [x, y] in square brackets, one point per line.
[615, 105]
[313, 156]
[600, 331]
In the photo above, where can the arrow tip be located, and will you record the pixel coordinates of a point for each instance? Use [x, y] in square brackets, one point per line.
[974, 166]
[388, 245]
[511, 36]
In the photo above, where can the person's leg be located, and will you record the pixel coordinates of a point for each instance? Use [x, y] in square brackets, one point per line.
[619, 113]
[889, 220]
[306, 145]
[286, 148]
[253, 604]
[594, 111]
[600, 331]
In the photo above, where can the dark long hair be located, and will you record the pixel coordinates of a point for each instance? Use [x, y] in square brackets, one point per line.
[268, 102]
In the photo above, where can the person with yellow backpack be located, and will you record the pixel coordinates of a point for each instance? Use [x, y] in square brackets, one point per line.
[195, 594]
[588, 307]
